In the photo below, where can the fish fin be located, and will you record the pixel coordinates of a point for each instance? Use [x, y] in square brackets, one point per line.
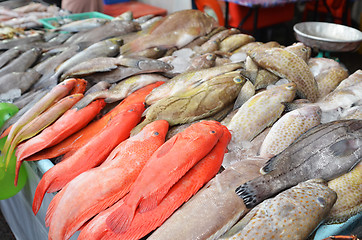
[269, 166]
[52, 207]
[120, 219]
[17, 169]
[167, 146]
[344, 147]
[152, 201]
[79, 221]
[248, 194]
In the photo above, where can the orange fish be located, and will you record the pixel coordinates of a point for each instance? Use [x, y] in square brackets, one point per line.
[81, 137]
[187, 186]
[110, 182]
[92, 154]
[69, 123]
[166, 166]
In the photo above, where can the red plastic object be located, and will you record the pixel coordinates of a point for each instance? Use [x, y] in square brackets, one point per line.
[215, 6]
[337, 9]
[266, 16]
[138, 9]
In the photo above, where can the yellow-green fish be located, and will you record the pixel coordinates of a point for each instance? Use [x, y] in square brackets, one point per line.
[235, 41]
[288, 65]
[199, 102]
[288, 128]
[259, 112]
[300, 50]
[292, 214]
[349, 191]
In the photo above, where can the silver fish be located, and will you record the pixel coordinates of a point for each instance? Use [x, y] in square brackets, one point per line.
[292, 214]
[22, 62]
[213, 210]
[21, 80]
[8, 55]
[82, 25]
[7, 44]
[325, 151]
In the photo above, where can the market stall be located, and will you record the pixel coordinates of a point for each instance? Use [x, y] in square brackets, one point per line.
[160, 128]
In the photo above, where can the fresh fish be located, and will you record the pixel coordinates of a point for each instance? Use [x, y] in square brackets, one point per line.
[115, 28]
[325, 151]
[21, 80]
[22, 62]
[248, 47]
[147, 25]
[56, 93]
[78, 202]
[329, 80]
[126, 16]
[70, 122]
[259, 112]
[83, 136]
[292, 214]
[155, 53]
[200, 218]
[247, 91]
[159, 174]
[352, 113]
[122, 89]
[97, 87]
[349, 191]
[99, 49]
[301, 50]
[213, 43]
[8, 55]
[202, 101]
[90, 155]
[235, 41]
[188, 80]
[288, 128]
[11, 43]
[287, 65]
[187, 186]
[82, 25]
[202, 62]
[169, 32]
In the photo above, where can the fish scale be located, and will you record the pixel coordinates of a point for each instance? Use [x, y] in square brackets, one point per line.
[286, 64]
[292, 214]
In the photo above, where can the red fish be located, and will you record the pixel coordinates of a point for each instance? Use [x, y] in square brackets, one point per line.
[166, 166]
[81, 137]
[70, 122]
[92, 154]
[110, 182]
[187, 186]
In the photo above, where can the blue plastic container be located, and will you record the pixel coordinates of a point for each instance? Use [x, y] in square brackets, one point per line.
[108, 2]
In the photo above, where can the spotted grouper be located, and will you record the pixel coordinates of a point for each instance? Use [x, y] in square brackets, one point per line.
[326, 151]
[292, 214]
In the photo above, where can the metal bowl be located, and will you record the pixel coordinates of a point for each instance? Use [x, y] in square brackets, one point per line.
[328, 36]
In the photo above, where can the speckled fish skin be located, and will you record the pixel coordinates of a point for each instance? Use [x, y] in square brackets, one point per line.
[202, 101]
[247, 91]
[352, 113]
[349, 191]
[347, 93]
[203, 61]
[213, 43]
[200, 217]
[301, 50]
[235, 41]
[328, 73]
[288, 128]
[288, 65]
[259, 112]
[187, 80]
[292, 214]
[328, 151]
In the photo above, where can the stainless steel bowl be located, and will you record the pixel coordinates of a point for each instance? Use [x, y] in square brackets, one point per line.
[328, 36]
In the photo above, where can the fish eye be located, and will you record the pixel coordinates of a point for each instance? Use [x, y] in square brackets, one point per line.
[304, 49]
[157, 49]
[130, 110]
[156, 133]
[289, 87]
[212, 132]
[209, 57]
[237, 79]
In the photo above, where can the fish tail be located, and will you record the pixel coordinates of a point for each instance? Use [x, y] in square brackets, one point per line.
[52, 207]
[255, 191]
[41, 189]
[120, 219]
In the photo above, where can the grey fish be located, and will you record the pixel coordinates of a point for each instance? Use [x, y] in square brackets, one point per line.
[214, 209]
[26, 98]
[100, 49]
[21, 80]
[111, 29]
[82, 25]
[121, 90]
[7, 44]
[8, 55]
[292, 214]
[145, 26]
[325, 151]
[22, 62]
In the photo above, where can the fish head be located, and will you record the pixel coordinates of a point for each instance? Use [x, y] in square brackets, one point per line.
[286, 92]
[208, 128]
[156, 130]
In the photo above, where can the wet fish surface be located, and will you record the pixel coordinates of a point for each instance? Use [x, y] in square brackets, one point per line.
[325, 151]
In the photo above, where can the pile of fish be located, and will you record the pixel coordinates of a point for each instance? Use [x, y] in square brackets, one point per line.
[184, 129]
